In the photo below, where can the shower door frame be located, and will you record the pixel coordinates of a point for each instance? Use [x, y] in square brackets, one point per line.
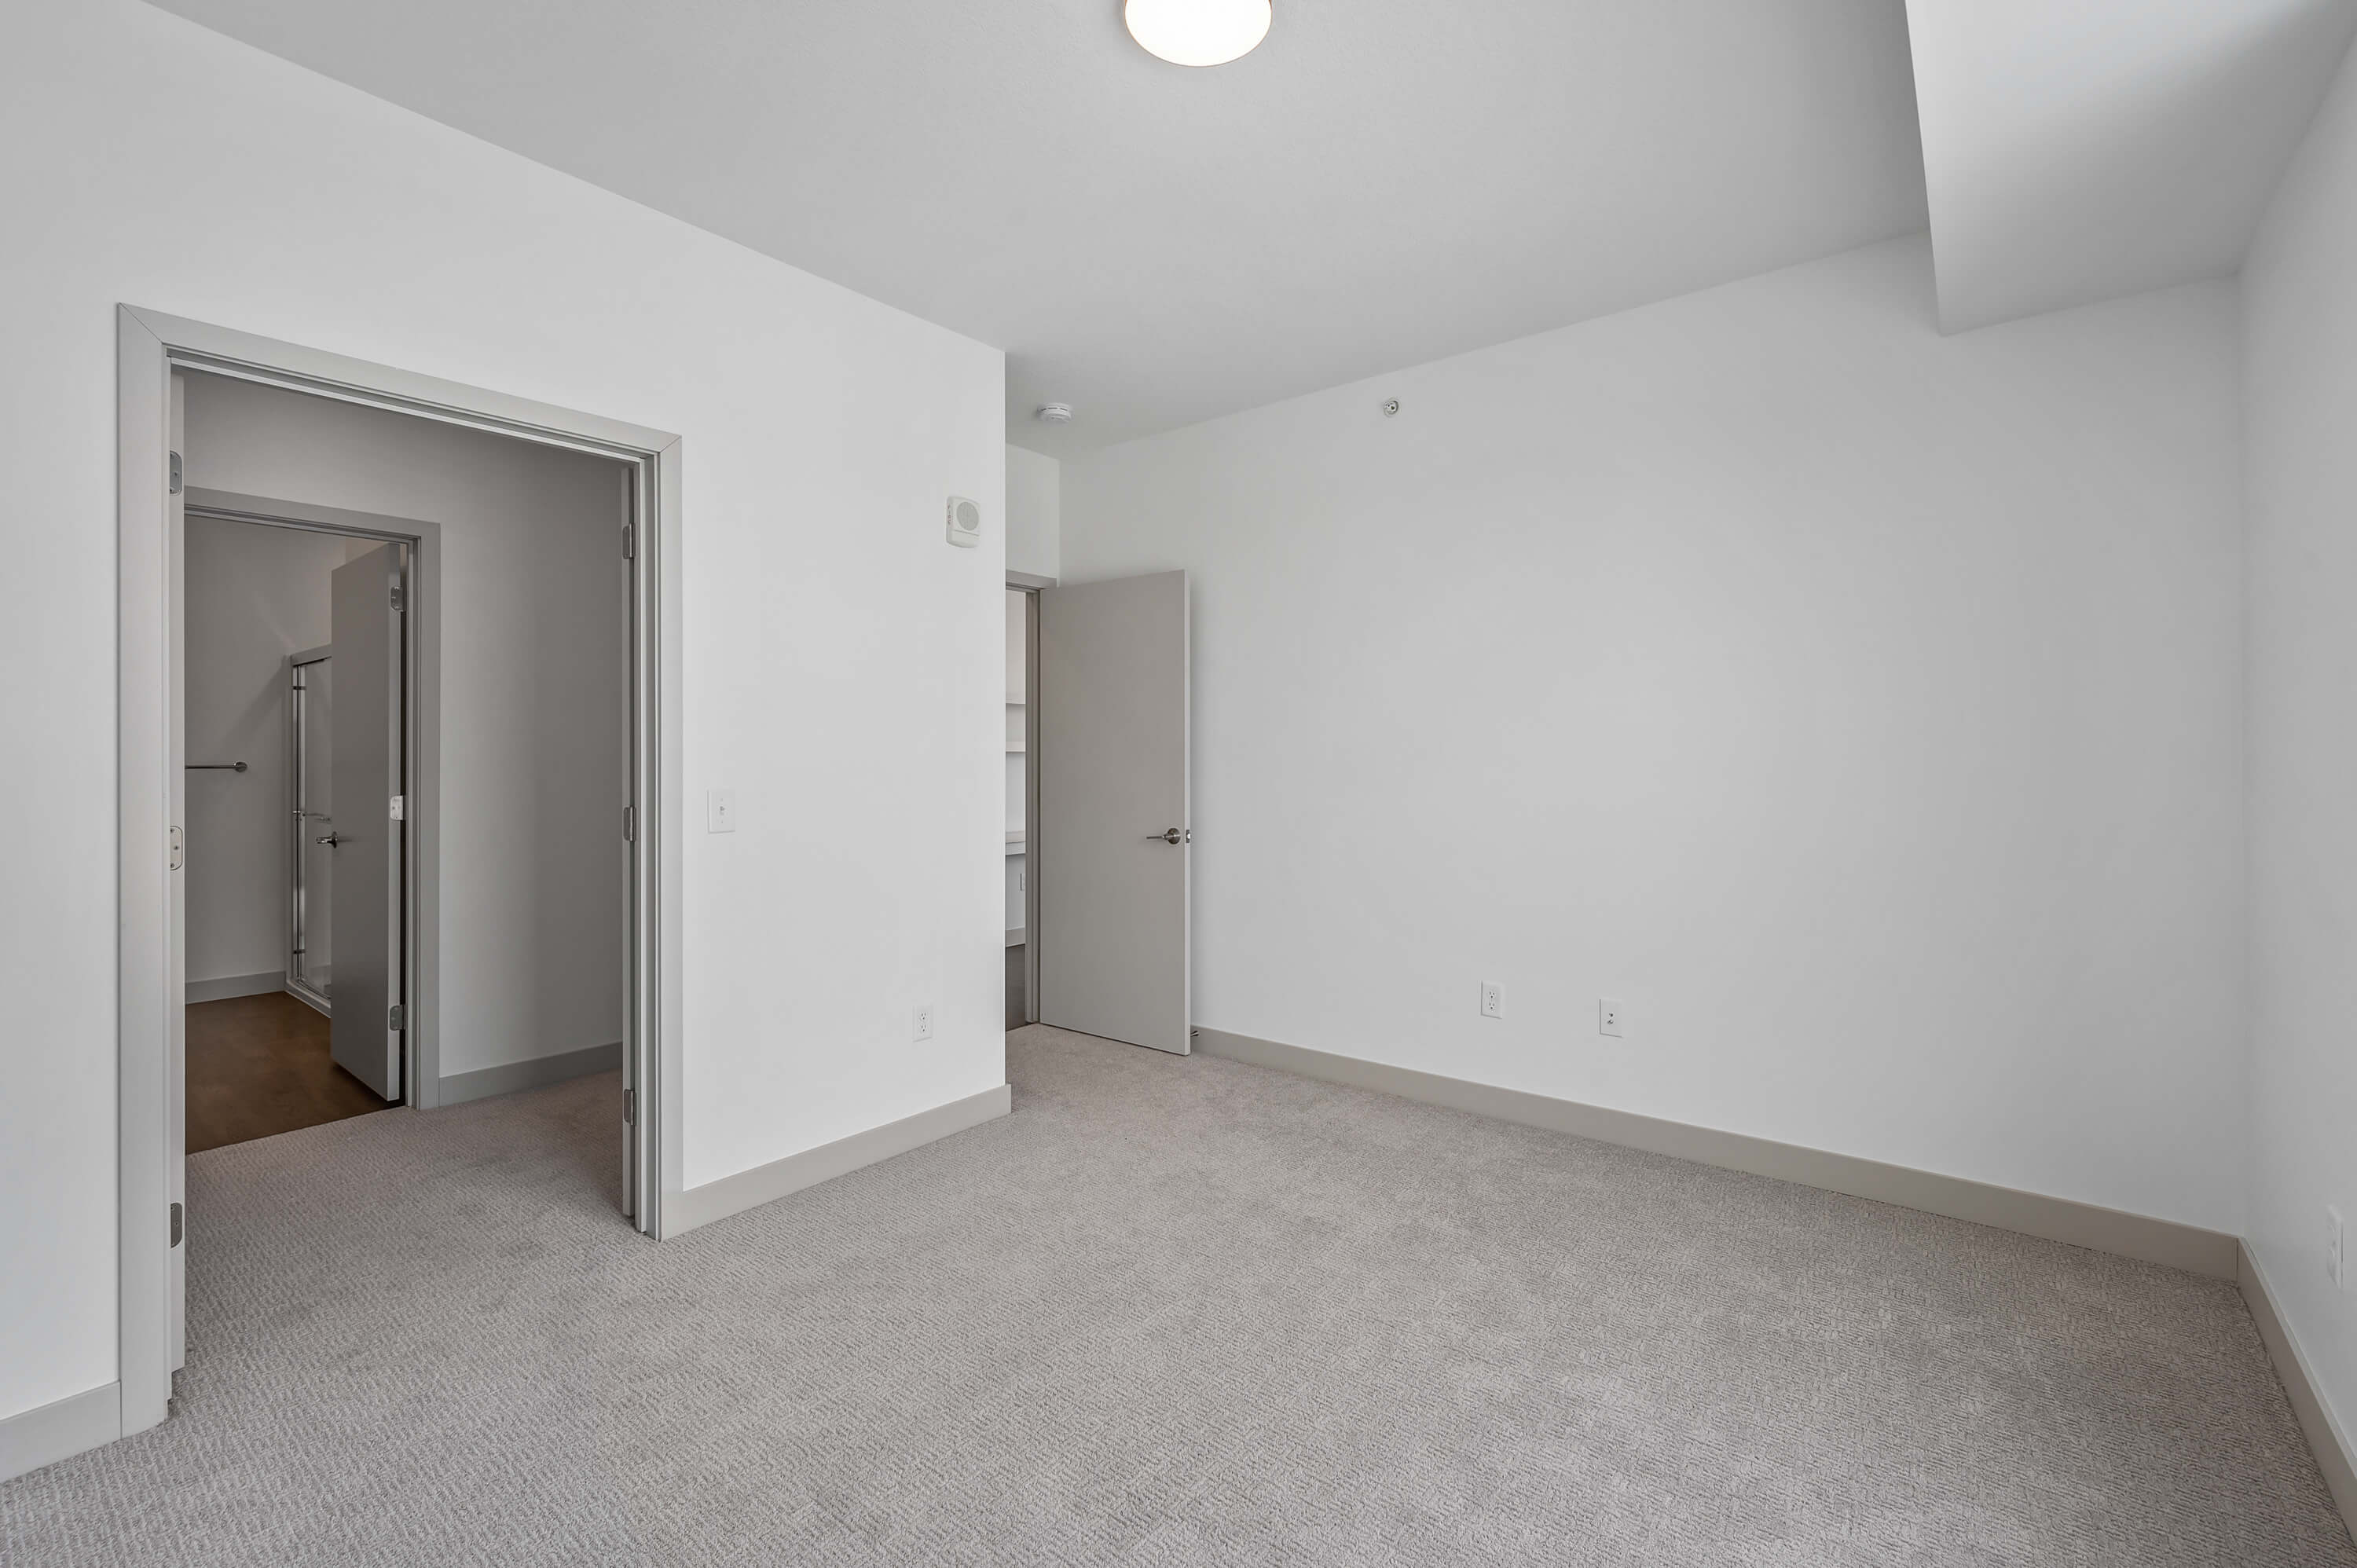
[300, 985]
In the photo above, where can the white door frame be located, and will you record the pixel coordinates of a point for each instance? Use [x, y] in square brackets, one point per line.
[149, 346]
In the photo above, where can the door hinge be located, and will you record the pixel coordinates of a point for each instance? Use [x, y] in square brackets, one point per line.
[175, 1224]
[178, 843]
[629, 824]
[630, 1107]
[175, 478]
[396, 595]
[630, 542]
[396, 806]
[396, 1018]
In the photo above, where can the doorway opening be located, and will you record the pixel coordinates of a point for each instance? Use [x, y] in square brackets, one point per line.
[343, 854]
[265, 1052]
[391, 685]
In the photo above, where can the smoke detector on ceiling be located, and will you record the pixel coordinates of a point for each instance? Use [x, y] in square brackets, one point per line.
[1054, 414]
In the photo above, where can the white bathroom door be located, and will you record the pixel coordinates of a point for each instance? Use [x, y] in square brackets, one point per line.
[364, 783]
[1111, 847]
[176, 1012]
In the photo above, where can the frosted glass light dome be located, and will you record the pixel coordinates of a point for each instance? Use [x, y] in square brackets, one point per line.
[1197, 32]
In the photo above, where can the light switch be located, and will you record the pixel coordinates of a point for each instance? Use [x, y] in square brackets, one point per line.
[720, 810]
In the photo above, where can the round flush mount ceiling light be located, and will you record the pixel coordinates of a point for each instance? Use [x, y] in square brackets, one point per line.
[1054, 414]
[1197, 32]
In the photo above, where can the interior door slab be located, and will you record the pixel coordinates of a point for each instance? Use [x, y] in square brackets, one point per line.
[176, 1037]
[365, 736]
[1111, 848]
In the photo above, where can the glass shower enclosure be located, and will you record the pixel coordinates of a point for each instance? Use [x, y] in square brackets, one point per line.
[310, 858]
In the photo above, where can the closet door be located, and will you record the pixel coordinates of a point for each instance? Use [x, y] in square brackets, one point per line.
[1111, 849]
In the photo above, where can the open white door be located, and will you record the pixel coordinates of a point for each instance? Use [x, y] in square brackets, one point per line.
[363, 1036]
[1110, 849]
[176, 1011]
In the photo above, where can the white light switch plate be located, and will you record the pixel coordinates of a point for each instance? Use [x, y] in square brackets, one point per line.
[720, 810]
[1611, 1017]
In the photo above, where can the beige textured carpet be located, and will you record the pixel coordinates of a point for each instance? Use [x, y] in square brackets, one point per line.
[1170, 1311]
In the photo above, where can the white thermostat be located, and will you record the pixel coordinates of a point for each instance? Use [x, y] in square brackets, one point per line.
[965, 523]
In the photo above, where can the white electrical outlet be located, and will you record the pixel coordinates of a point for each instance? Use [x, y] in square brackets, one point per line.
[1611, 1017]
[2335, 1247]
[1493, 999]
[921, 1025]
[720, 810]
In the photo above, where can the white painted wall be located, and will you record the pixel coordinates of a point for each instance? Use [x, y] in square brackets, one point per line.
[254, 596]
[534, 693]
[1860, 705]
[2299, 374]
[1033, 511]
[821, 606]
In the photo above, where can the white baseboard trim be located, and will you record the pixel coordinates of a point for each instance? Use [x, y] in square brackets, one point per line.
[227, 985]
[2335, 1454]
[750, 1189]
[60, 1430]
[2180, 1246]
[537, 1073]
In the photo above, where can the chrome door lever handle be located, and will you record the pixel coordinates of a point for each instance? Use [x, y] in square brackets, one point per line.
[1175, 835]
[331, 840]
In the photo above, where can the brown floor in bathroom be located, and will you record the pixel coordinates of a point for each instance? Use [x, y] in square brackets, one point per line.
[259, 1065]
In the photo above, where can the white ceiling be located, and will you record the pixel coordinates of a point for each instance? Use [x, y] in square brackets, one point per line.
[1381, 183]
[2083, 150]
